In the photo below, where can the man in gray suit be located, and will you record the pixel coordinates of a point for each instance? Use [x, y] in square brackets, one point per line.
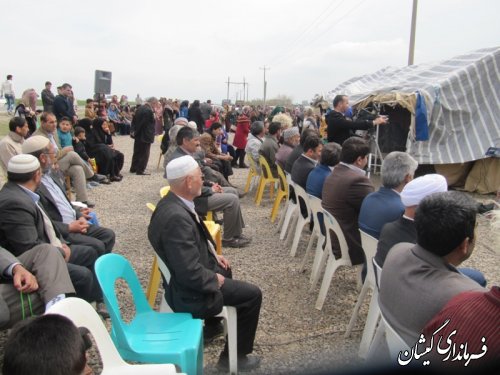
[40, 274]
[418, 280]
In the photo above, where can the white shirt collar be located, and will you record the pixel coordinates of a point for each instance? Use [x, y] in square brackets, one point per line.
[354, 168]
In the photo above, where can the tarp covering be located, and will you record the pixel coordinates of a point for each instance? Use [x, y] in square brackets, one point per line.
[462, 97]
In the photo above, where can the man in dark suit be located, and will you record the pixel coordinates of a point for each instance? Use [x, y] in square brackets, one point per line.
[201, 282]
[24, 224]
[71, 223]
[307, 161]
[40, 273]
[344, 191]
[213, 197]
[418, 280]
[329, 159]
[384, 205]
[299, 149]
[63, 106]
[143, 132]
[339, 128]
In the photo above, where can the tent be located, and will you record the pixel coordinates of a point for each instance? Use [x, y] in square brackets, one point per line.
[445, 114]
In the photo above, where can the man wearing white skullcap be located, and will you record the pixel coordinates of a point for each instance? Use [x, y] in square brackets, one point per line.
[201, 281]
[419, 279]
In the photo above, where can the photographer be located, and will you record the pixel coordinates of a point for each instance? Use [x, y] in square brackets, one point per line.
[340, 128]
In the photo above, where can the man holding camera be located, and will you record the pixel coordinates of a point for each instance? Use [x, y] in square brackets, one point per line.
[339, 128]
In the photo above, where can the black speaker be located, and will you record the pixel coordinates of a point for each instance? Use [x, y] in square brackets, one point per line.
[102, 82]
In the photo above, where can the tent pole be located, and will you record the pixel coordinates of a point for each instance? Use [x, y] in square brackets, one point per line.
[411, 52]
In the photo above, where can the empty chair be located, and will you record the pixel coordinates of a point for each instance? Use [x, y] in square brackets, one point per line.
[266, 178]
[342, 259]
[282, 193]
[150, 337]
[318, 235]
[253, 174]
[303, 218]
[291, 208]
[369, 245]
[82, 314]
[228, 313]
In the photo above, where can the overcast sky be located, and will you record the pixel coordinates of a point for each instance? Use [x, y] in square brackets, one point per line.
[187, 49]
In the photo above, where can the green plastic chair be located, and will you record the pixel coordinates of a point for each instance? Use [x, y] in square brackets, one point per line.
[150, 337]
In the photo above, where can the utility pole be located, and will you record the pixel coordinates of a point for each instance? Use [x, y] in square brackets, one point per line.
[411, 52]
[241, 94]
[244, 89]
[264, 68]
[228, 82]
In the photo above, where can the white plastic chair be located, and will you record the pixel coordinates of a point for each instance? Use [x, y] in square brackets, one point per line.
[394, 341]
[290, 209]
[369, 245]
[331, 225]
[228, 313]
[316, 209]
[301, 221]
[83, 315]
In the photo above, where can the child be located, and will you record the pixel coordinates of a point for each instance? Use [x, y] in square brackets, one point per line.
[64, 132]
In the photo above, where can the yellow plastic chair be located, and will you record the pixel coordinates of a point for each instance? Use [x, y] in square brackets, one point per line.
[164, 191]
[159, 139]
[253, 174]
[154, 279]
[266, 178]
[282, 194]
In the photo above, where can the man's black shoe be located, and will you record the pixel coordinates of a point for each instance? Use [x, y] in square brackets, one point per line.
[143, 173]
[236, 242]
[245, 362]
[212, 331]
[98, 178]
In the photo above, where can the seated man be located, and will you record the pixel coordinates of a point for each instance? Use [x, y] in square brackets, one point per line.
[254, 141]
[403, 229]
[418, 280]
[344, 190]
[291, 138]
[201, 281]
[330, 156]
[27, 352]
[69, 161]
[214, 197]
[11, 144]
[307, 161]
[384, 205]
[39, 273]
[219, 161]
[270, 146]
[24, 224]
[71, 223]
[298, 150]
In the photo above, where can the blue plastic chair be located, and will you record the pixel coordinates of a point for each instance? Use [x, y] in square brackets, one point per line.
[151, 337]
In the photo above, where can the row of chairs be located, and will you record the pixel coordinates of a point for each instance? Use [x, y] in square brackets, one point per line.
[326, 232]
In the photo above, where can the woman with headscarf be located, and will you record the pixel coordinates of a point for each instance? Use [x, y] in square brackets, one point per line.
[26, 109]
[240, 138]
[194, 114]
[109, 161]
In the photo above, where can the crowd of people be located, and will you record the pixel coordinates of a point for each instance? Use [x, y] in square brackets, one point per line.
[49, 245]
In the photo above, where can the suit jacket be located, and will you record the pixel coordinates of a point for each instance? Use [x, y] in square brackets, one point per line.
[415, 285]
[379, 208]
[21, 223]
[181, 242]
[268, 149]
[294, 155]
[401, 230]
[301, 169]
[62, 107]
[201, 202]
[143, 125]
[6, 259]
[316, 180]
[343, 192]
[43, 133]
[339, 128]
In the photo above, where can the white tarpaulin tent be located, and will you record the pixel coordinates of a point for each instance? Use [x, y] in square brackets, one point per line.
[462, 96]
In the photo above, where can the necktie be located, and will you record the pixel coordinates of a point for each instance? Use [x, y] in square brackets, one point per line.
[49, 229]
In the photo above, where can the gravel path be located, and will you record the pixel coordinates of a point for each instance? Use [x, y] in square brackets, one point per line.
[293, 337]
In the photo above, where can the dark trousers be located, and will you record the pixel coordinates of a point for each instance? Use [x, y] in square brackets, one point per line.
[240, 157]
[247, 298]
[85, 256]
[140, 157]
[99, 238]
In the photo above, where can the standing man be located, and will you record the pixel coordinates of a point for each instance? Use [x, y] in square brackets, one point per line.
[48, 97]
[340, 128]
[201, 281]
[12, 143]
[344, 190]
[143, 132]
[7, 92]
[63, 104]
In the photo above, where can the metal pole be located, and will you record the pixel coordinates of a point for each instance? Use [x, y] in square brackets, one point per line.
[227, 96]
[411, 52]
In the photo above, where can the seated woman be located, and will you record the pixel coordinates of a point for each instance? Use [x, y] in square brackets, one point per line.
[114, 158]
[115, 118]
[221, 161]
[25, 109]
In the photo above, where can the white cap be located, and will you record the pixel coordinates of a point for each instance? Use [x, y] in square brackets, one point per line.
[181, 167]
[420, 187]
[23, 163]
[35, 143]
[181, 121]
[192, 125]
[290, 132]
